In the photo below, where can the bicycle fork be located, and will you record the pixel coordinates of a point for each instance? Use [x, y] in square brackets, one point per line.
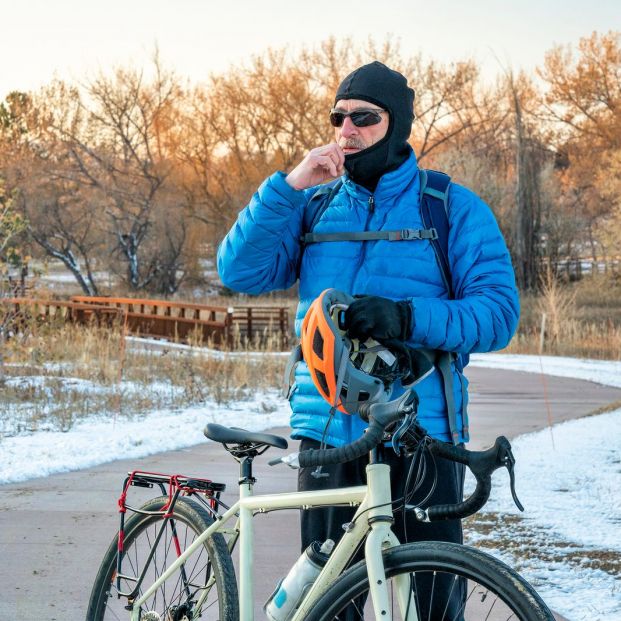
[381, 538]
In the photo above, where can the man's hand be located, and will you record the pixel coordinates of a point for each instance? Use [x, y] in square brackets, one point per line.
[321, 164]
[378, 318]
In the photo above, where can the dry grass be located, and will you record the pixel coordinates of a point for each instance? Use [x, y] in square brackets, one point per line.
[56, 375]
[583, 319]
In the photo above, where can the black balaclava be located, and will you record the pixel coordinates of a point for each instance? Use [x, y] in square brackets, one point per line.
[388, 89]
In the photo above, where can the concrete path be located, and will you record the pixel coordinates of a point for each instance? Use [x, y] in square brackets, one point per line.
[54, 531]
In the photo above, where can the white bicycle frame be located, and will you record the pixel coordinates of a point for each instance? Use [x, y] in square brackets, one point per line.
[372, 520]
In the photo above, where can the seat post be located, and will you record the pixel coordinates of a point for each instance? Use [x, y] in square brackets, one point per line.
[246, 537]
[245, 470]
[377, 456]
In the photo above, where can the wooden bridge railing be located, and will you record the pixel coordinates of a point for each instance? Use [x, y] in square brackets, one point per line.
[253, 321]
[179, 320]
[170, 320]
[220, 325]
[21, 309]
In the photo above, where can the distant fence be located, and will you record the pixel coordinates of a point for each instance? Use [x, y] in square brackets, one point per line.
[220, 325]
[575, 269]
[252, 322]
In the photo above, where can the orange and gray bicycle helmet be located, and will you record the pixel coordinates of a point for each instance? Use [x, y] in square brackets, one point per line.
[345, 371]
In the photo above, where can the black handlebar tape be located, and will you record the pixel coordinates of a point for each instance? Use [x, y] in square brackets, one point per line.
[482, 464]
[463, 509]
[379, 415]
[349, 452]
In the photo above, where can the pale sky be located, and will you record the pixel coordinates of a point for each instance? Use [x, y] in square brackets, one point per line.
[73, 39]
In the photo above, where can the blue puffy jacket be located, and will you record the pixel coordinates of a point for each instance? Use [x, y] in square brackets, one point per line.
[262, 252]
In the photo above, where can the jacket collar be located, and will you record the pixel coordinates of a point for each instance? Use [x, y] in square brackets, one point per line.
[389, 185]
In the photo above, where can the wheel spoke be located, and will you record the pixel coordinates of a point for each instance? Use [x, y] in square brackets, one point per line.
[433, 584]
[194, 580]
[447, 583]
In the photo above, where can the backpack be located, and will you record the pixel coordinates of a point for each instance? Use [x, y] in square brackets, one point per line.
[434, 192]
[434, 189]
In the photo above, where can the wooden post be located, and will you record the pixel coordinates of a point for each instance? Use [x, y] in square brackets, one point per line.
[228, 326]
[249, 323]
[542, 334]
[283, 327]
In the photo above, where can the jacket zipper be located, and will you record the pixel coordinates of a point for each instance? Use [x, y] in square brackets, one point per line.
[363, 252]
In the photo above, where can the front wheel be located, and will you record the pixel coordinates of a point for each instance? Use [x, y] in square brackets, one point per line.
[444, 582]
[204, 586]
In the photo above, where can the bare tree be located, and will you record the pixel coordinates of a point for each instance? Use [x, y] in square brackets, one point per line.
[121, 141]
[65, 225]
[527, 186]
[60, 216]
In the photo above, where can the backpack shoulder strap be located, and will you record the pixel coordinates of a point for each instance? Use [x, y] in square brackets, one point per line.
[434, 194]
[434, 190]
[318, 204]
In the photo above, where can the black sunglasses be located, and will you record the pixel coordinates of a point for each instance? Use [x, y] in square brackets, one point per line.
[360, 118]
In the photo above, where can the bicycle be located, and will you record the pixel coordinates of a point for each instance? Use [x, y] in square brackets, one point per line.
[189, 521]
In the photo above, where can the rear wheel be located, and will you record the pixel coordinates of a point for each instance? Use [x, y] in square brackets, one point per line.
[208, 571]
[447, 582]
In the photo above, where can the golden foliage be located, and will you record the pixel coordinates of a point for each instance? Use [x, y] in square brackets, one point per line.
[140, 173]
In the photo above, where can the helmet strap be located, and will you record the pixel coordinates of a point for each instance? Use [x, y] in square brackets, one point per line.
[318, 473]
[339, 385]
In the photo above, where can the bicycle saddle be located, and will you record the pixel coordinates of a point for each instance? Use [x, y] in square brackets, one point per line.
[235, 435]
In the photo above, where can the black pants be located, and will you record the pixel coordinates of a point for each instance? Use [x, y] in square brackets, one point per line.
[327, 522]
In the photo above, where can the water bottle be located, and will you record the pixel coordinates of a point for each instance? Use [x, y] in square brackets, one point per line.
[285, 599]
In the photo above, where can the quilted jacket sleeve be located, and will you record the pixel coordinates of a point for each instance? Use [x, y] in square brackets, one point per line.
[261, 251]
[484, 314]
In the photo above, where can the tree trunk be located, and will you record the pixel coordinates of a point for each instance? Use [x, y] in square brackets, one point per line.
[528, 203]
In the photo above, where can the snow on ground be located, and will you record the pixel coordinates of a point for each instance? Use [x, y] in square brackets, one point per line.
[102, 438]
[568, 543]
[582, 479]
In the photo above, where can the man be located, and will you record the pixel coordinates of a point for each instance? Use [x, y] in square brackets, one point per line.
[404, 292]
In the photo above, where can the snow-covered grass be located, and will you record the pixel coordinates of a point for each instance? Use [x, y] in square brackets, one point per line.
[568, 543]
[101, 438]
[55, 379]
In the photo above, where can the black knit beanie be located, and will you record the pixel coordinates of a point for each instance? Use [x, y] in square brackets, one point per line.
[388, 89]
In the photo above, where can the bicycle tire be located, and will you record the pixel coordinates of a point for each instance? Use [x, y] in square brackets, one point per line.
[212, 559]
[434, 558]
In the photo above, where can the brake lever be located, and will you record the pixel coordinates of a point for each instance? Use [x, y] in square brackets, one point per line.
[408, 421]
[508, 461]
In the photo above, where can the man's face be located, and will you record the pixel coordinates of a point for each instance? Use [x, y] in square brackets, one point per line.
[353, 139]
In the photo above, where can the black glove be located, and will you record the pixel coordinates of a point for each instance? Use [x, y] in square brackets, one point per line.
[413, 363]
[378, 318]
